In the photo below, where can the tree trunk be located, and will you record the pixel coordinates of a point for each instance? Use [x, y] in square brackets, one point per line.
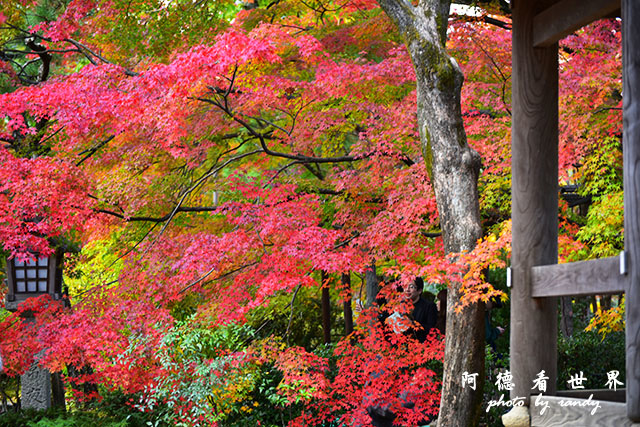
[372, 286]
[57, 387]
[326, 309]
[348, 312]
[566, 322]
[453, 167]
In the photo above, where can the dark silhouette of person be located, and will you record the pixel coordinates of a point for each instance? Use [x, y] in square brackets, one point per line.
[491, 332]
[424, 312]
[441, 304]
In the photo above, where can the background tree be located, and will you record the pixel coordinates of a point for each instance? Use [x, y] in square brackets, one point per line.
[212, 177]
[454, 169]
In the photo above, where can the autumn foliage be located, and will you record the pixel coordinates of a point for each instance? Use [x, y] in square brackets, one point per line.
[212, 164]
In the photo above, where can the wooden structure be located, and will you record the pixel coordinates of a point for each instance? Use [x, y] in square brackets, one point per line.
[32, 278]
[536, 277]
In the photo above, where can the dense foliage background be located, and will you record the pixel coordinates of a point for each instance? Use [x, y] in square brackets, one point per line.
[221, 174]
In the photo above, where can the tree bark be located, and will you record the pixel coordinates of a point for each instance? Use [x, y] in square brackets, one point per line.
[566, 325]
[57, 387]
[326, 309]
[372, 285]
[453, 168]
[347, 310]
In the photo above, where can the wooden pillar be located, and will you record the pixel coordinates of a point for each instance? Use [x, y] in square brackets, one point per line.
[535, 200]
[631, 158]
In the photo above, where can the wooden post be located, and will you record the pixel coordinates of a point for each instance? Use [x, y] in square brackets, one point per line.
[631, 159]
[535, 200]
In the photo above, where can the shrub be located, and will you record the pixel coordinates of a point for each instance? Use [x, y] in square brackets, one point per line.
[588, 352]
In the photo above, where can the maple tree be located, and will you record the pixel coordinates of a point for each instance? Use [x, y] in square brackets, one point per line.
[212, 174]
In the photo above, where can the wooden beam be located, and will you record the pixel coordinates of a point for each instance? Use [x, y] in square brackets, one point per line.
[631, 164]
[598, 276]
[561, 412]
[534, 186]
[566, 16]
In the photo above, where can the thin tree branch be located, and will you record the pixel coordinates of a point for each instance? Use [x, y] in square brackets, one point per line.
[131, 249]
[196, 185]
[279, 171]
[262, 138]
[52, 135]
[293, 299]
[91, 151]
[222, 276]
[346, 242]
[159, 219]
[93, 288]
[88, 53]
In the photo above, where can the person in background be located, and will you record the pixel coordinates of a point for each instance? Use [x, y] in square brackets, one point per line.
[424, 312]
[492, 332]
[441, 305]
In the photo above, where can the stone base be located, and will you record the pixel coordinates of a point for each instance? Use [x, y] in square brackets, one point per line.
[517, 417]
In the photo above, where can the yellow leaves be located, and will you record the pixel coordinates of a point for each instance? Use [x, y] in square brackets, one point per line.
[490, 252]
[236, 386]
[607, 321]
[603, 232]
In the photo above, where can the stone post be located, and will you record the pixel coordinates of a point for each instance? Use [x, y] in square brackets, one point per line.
[36, 388]
[35, 384]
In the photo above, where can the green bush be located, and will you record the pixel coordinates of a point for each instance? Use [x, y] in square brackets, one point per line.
[112, 410]
[58, 418]
[594, 356]
[494, 363]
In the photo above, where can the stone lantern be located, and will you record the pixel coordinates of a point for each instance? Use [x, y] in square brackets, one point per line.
[33, 277]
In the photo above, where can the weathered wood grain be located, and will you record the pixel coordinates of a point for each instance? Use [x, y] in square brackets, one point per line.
[598, 276]
[535, 199]
[566, 16]
[631, 159]
[609, 414]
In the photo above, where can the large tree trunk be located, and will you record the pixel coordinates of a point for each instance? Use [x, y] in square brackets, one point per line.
[453, 168]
